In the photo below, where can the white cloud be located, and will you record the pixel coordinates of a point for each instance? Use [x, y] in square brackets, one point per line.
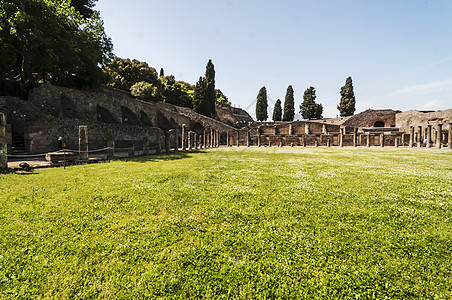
[434, 104]
[423, 87]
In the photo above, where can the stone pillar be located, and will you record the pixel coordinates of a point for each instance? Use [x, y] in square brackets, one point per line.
[419, 136]
[167, 141]
[258, 140]
[449, 137]
[402, 143]
[3, 143]
[184, 146]
[304, 140]
[368, 140]
[196, 140]
[324, 130]
[238, 138]
[131, 150]
[247, 138]
[396, 141]
[306, 128]
[355, 137]
[341, 139]
[159, 142]
[328, 142]
[110, 136]
[218, 138]
[83, 142]
[146, 145]
[290, 129]
[429, 135]
[276, 130]
[439, 135]
[411, 136]
[382, 140]
[177, 139]
[316, 143]
[227, 139]
[189, 139]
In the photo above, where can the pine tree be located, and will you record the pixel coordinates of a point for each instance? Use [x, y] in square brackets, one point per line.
[289, 105]
[309, 109]
[347, 105]
[277, 111]
[261, 105]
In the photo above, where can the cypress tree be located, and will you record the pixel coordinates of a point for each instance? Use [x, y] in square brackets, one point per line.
[162, 73]
[309, 109]
[199, 97]
[210, 89]
[261, 105]
[277, 111]
[346, 106]
[289, 105]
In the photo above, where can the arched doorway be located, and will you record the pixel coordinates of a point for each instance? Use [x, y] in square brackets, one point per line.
[379, 124]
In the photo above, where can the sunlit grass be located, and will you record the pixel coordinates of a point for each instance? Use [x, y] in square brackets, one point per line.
[244, 223]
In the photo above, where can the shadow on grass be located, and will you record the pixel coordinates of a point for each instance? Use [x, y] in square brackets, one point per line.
[164, 156]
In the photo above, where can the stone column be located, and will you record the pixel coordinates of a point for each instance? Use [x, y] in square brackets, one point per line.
[324, 130]
[131, 150]
[429, 135]
[402, 143]
[411, 136]
[227, 138]
[396, 141]
[110, 136]
[439, 135]
[304, 140]
[83, 142]
[184, 146]
[189, 140]
[419, 136]
[355, 137]
[328, 142]
[276, 130]
[238, 138]
[196, 140]
[247, 138]
[341, 139]
[218, 138]
[306, 128]
[3, 143]
[290, 129]
[368, 140]
[316, 143]
[176, 132]
[449, 137]
[167, 141]
[382, 140]
[159, 142]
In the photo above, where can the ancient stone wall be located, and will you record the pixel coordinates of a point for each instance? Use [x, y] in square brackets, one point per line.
[418, 118]
[372, 118]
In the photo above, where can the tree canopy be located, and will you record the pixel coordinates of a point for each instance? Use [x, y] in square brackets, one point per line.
[289, 105]
[50, 40]
[309, 109]
[277, 111]
[205, 94]
[346, 106]
[261, 105]
[124, 73]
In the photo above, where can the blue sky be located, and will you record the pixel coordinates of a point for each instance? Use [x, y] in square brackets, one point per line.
[398, 52]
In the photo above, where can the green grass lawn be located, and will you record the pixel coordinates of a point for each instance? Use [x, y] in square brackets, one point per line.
[245, 223]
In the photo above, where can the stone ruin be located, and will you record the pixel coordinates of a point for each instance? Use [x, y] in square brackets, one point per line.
[108, 119]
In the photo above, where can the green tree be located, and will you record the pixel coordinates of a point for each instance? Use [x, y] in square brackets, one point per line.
[221, 98]
[205, 95]
[346, 106]
[309, 109]
[176, 92]
[261, 105]
[145, 91]
[210, 88]
[277, 111]
[49, 40]
[199, 98]
[289, 105]
[124, 73]
[84, 7]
